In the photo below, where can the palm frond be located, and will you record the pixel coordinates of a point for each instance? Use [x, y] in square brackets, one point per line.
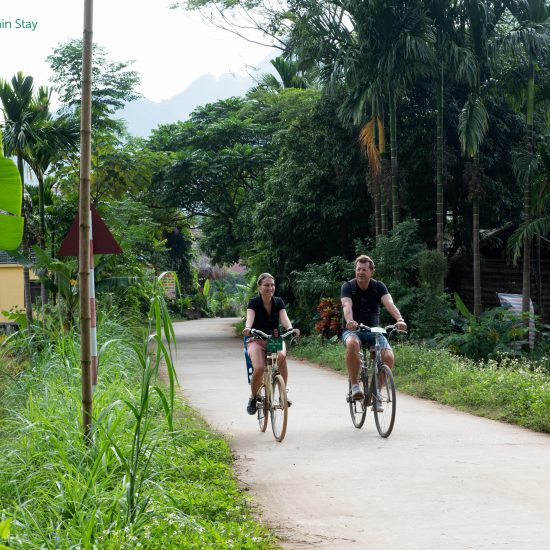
[368, 143]
[526, 231]
[525, 165]
[473, 122]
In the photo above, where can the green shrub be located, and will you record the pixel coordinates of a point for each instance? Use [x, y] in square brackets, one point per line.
[496, 332]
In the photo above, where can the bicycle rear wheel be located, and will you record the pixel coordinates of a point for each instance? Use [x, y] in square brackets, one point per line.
[385, 418]
[358, 409]
[278, 408]
[262, 408]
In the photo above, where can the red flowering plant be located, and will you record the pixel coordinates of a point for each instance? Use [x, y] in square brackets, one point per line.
[330, 322]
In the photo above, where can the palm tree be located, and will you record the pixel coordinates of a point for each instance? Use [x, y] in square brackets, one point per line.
[530, 38]
[374, 49]
[473, 122]
[451, 60]
[472, 126]
[398, 38]
[56, 136]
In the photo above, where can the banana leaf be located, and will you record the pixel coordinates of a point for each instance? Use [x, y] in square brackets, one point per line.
[11, 194]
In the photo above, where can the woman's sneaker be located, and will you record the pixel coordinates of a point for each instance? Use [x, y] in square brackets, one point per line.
[251, 407]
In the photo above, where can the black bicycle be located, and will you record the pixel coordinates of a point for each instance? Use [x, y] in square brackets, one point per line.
[377, 385]
[271, 397]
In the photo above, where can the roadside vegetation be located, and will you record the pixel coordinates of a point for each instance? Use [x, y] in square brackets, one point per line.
[511, 389]
[148, 480]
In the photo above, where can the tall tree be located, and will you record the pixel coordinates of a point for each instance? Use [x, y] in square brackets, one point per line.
[451, 61]
[113, 83]
[473, 121]
[530, 38]
[218, 169]
[57, 136]
[376, 48]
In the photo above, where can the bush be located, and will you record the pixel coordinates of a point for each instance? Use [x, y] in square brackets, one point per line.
[330, 323]
[495, 333]
[315, 282]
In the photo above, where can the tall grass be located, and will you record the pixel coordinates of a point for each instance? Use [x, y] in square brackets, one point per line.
[154, 476]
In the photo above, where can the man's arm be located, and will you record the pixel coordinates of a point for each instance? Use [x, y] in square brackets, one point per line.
[387, 302]
[347, 312]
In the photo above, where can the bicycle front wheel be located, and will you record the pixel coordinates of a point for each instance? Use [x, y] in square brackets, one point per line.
[279, 408]
[384, 414]
[358, 408]
[262, 408]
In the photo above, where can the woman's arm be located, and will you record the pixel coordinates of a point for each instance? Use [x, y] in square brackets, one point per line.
[250, 316]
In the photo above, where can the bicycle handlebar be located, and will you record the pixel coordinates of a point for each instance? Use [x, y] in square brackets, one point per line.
[388, 328]
[264, 336]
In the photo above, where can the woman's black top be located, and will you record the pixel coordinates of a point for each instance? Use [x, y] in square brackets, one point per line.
[262, 321]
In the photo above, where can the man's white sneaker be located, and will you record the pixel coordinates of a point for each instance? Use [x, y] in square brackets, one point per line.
[356, 392]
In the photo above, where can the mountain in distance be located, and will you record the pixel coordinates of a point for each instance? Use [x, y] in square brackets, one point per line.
[143, 115]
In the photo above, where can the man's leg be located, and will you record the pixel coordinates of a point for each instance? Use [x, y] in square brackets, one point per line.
[353, 364]
[387, 359]
[281, 364]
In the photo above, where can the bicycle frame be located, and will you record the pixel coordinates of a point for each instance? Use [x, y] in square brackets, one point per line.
[275, 400]
[382, 398]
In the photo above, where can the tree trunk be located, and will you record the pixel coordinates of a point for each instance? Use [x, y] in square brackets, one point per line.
[475, 249]
[393, 147]
[84, 224]
[377, 211]
[439, 185]
[383, 200]
[539, 278]
[526, 287]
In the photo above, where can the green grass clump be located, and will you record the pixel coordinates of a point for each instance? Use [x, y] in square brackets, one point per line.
[60, 493]
[512, 390]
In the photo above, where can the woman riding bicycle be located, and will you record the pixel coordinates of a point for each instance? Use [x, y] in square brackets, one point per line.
[264, 312]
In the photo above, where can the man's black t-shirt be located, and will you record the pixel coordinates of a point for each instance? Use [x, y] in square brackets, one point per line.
[366, 303]
[262, 321]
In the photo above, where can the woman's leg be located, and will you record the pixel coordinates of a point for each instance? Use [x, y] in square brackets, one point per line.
[257, 356]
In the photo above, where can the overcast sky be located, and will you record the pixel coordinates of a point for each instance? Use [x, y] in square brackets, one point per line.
[171, 48]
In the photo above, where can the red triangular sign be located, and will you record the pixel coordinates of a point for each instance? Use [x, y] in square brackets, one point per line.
[104, 242]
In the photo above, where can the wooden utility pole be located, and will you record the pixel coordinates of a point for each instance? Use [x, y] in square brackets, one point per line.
[84, 223]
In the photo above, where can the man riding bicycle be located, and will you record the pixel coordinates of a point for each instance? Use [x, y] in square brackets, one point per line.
[361, 298]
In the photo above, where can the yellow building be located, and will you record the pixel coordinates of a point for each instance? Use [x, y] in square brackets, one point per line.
[12, 295]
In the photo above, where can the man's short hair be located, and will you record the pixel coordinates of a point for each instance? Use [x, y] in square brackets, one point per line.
[363, 259]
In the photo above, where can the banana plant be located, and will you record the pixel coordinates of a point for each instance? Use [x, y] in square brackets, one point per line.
[11, 195]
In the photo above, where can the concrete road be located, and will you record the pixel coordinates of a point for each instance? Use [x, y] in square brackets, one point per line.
[442, 480]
